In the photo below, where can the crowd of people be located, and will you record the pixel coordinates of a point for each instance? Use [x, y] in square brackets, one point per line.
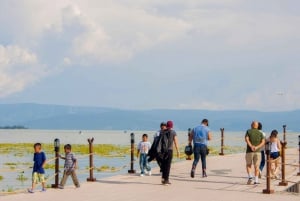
[165, 140]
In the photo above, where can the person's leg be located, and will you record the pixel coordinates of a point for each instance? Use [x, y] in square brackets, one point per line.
[64, 179]
[75, 179]
[168, 166]
[248, 158]
[256, 162]
[34, 181]
[146, 164]
[43, 181]
[263, 161]
[163, 169]
[142, 164]
[196, 160]
[203, 152]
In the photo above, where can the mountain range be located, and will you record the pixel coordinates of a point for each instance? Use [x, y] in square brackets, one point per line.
[52, 117]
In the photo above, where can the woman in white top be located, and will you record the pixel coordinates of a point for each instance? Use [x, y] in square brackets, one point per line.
[275, 152]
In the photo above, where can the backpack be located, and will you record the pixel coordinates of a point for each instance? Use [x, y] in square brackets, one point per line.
[163, 144]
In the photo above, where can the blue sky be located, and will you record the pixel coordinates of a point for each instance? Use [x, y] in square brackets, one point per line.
[138, 54]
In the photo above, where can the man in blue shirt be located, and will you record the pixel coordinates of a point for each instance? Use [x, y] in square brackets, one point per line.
[200, 136]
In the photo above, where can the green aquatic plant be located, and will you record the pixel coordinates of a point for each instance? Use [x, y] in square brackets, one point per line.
[1, 177]
[21, 177]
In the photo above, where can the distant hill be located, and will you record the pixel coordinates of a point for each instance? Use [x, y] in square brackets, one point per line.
[39, 116]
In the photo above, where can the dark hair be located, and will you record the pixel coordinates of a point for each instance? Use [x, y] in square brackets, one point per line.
[259, 126]
[205, 121]
[68, 146]
[37, 145]
[274, 133]
[163, 124]
[145, 135]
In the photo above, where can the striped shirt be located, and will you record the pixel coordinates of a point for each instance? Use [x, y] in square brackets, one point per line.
[69, 161]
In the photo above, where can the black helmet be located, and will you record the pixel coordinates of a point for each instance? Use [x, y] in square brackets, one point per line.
[188, 150]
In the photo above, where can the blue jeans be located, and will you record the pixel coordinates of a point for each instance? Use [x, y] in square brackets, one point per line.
[200, 151]
[144, 163]
[263, 161]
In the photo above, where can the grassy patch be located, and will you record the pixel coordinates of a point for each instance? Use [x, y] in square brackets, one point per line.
[1, 177]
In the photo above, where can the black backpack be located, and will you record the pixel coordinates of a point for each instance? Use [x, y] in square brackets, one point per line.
[163, 144]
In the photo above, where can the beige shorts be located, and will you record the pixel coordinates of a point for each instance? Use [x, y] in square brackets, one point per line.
[253, 158]
[37, 177]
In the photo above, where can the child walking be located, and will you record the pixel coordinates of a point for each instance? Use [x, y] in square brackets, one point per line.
[142, 151]
[38, 171]
[69, 167]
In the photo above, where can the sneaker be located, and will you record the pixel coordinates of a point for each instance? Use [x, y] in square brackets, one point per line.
[162, 180]
[193, 173]
[60, 187]
[166, 183]
[43, 190]
[30, 191]
[256, 183]
[149, 173]
[141, 174]
[249, 181]
[78, 186]
[204, 174]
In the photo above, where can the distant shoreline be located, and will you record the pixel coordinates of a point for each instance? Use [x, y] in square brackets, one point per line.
[13, 127]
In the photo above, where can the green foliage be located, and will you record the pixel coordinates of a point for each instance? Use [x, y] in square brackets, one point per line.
[21, 177]
[1, 177]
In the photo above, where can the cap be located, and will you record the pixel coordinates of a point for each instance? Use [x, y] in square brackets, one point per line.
[169, 124]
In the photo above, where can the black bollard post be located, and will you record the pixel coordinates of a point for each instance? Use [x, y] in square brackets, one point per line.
[268, 189]
[284, 134]
[298, 174]
[56, 149]
[283, 181]
[91, 151]
[222, 142]
[132, 171]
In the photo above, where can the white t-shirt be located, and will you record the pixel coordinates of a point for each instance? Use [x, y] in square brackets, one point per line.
[144, 147]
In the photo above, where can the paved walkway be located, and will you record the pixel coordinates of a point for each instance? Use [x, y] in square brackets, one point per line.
[226, 181]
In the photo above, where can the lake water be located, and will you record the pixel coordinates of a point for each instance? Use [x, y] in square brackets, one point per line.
[101, 137]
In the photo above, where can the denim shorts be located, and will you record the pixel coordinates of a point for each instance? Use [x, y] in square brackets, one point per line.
[274, 155]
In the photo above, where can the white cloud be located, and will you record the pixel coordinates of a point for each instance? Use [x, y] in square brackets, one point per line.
[18, 69]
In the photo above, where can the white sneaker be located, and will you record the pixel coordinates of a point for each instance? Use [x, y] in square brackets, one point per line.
[141, 175]
[149, 173]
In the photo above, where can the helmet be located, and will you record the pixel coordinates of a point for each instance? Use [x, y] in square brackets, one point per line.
[188, 150]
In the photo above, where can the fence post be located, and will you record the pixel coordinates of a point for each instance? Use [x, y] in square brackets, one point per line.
[56, 149]
[283, 181]
[91, 151]
[132, 171]
[298, 174]
[222, 142]
[284, 134]
[268, 189]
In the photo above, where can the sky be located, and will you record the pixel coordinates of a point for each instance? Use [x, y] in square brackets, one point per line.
[151, 54]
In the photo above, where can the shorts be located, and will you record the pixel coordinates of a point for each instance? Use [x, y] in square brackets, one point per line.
[274, 155]
[38, 177]
[253, 158]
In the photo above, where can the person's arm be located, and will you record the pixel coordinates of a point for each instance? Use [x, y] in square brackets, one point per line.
[209, 136]
[176, 145]
[44, 160]
[261, 144]
[249, 143]
[279, 145]
[191, 137]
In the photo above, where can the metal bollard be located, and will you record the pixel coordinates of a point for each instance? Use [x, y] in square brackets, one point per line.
[298, 174]
[222, 142]
[91, 151]
[283, 181]
[56, 149]
[268, 189]
[132, 171]
[284, 133]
